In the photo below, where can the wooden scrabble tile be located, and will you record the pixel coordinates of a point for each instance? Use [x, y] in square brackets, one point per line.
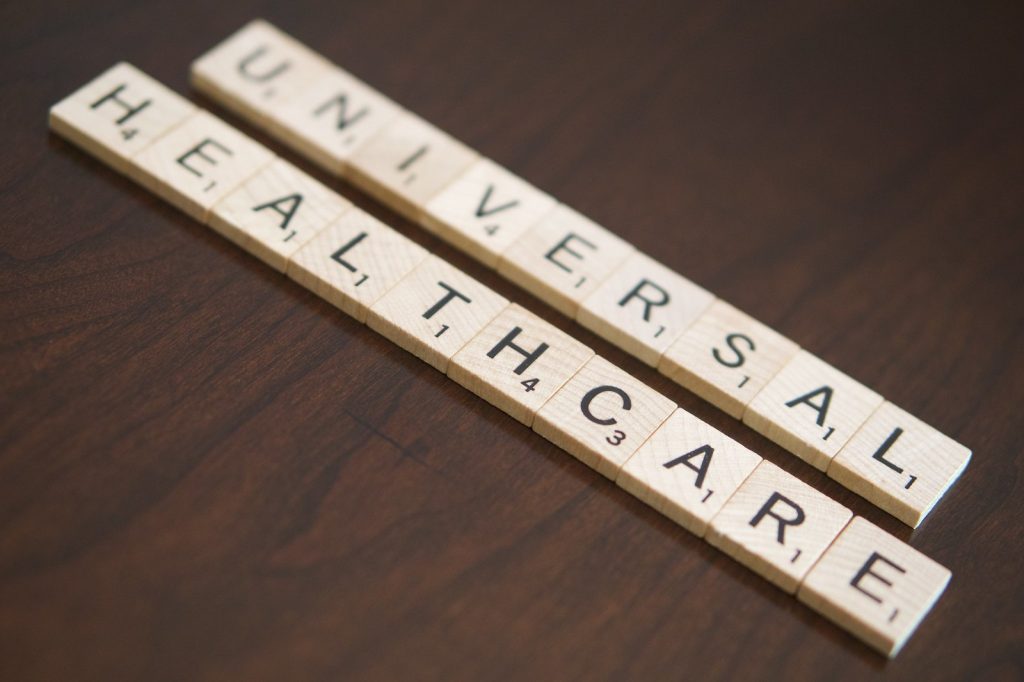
[517, 362]
[275, 212]
[602, 415]
[875, 586]
[355, 261]
[407, 163]
[643, 307]
[777, 525]
[485, 210]
[434, 311]
[687, 470]
[900, 464]
[118, 114]
[198, 163]
[726, 357]
[811, 409]
[563, 258]
[256, 69]
[331, 117]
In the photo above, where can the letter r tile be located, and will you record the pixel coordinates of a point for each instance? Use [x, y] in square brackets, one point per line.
[643, 307]
[355, 261]
[900, 464]
[118, 114]
[434, 311]
[811, 409]
[517, 362]
[602, 415]
[777, 525]
[198, 163]
[874, 586]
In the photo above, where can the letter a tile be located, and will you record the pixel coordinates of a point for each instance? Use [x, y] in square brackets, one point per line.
[811, 409]
[602, 415]
[687, 470]
[198, 163]
[517, 362]
[563, 258]
[643, 307]
[407, 163]
[777, 525]
[275, 212]
[257, 69]
[874, 586]
[726, 357]
[355, 261]
[485, 209]
[435, 311]
[900, 464]
[118, 114]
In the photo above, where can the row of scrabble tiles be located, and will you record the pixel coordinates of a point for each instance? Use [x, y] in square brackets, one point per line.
[813, 410]
[851, 571]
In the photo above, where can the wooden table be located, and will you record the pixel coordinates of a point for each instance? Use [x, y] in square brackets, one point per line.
[207, 472]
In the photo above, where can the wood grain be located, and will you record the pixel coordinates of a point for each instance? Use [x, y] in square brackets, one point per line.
[206, 471]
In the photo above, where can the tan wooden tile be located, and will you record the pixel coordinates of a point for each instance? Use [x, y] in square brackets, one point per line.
[331, 117]
[811, 409]
[408, 162]
[276, 211]
[355, 261]
[256, 69]
[118, 114]
[198, 163]
[726, 357]
[643, 307]
[485, 210]
[777, 525]
[602, 415]
[563, 258]
[434, 311]
[517, 362]
[874, 586]
[900, 464]
[687, 470]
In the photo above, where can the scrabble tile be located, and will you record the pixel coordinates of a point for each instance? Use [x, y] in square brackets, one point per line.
[563, 258]
[900, 464]
[331, 117]
[875, 586]
[355, 261]
[643, 307]
[517, 362]
[198, 163]
[811, 409]
[407, 163]
[485, 209]
[726, 357]
[777, 525]
[256, 69]
[434, 311]
[276, 211]
[687, 470]
[118, 114]
[602, 415]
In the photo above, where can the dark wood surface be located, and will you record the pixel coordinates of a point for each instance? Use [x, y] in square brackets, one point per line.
[207, 472]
